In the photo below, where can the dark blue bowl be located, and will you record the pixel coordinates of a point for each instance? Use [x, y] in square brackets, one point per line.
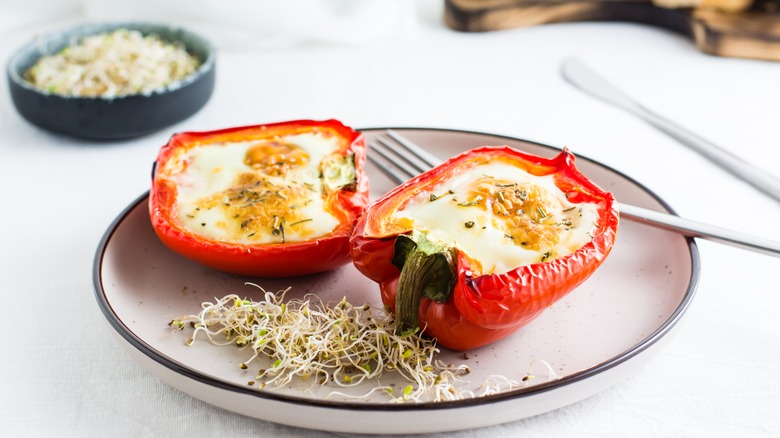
[116, 118]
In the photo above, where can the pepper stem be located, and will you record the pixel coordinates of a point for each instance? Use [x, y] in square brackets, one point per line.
[427, 269]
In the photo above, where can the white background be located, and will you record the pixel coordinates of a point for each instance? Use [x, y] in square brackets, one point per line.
[385, 63]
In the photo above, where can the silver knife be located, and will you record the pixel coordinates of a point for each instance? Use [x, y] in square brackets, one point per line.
[582, 77]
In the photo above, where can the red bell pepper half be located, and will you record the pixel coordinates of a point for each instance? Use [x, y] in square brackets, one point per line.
[254, 221]
[457, 299]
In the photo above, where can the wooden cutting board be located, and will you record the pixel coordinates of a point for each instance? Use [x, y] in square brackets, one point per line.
[753, 34]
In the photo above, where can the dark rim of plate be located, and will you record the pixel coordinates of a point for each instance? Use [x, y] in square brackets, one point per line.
[184, 370]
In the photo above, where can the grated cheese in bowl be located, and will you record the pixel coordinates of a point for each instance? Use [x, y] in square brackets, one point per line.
[112, 64]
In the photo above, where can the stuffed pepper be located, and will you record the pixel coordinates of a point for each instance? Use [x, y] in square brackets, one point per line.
[270, 200]
[479, 246]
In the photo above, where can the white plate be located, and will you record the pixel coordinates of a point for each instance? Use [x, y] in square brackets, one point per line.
[603, 330]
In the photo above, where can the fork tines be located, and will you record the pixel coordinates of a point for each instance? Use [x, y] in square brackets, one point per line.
[398, 158]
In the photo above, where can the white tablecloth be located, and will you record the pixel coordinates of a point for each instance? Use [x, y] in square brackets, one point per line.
[62, 372]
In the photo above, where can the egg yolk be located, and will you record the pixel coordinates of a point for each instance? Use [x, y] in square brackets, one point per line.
[275, 158]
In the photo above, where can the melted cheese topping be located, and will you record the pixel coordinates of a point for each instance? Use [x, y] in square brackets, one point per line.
[502, 217]
[255, 192]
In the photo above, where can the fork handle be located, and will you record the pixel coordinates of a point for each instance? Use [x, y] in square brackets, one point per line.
[691, 228]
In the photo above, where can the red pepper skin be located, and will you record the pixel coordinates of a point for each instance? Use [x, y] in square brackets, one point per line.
[483, 309]
[263, 260]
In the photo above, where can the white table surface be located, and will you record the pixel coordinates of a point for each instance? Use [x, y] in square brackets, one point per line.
[63, 374]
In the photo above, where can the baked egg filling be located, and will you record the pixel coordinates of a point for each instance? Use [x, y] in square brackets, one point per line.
[256, 191]
[501, 217]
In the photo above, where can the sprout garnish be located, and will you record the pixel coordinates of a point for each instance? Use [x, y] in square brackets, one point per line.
[335, 344]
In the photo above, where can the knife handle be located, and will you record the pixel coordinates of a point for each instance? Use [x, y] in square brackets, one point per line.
[761, 180]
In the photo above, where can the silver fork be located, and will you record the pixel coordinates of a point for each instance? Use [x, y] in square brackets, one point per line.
[400, 159]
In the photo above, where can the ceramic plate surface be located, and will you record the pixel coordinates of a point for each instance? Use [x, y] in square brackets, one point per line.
[609, 326]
